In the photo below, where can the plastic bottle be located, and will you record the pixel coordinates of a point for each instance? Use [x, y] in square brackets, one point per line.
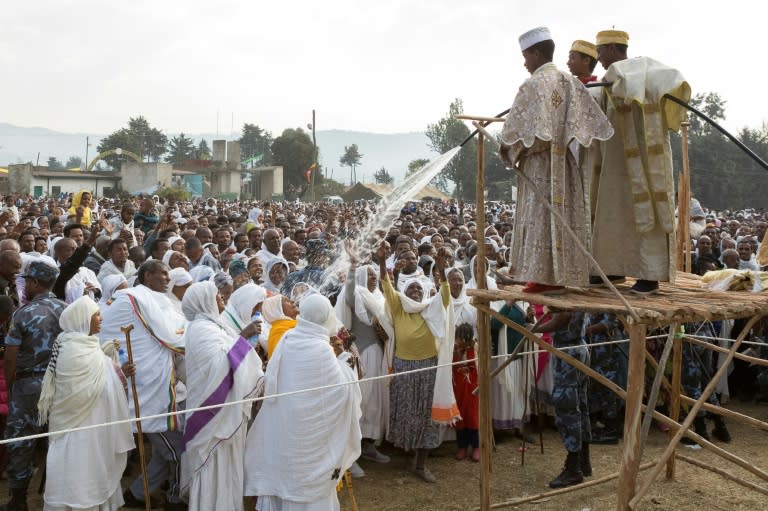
[254, 339]
[122, 356]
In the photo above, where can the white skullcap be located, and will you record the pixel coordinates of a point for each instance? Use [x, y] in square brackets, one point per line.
[534, 36]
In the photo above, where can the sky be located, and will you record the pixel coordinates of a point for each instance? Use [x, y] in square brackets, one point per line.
[392, 66]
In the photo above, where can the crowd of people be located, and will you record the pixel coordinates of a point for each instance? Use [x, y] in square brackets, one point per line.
[223, 295]
[235, 309]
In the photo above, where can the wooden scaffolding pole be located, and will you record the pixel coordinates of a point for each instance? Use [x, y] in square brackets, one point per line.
[560, 491]
[691, 414]
[684, 206]
[483, 341]
[623, 394]
[674, 412]
[630, 460]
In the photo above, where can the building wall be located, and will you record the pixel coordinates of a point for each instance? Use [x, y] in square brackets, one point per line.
[219, 150]
[19, 178]
[145, 177]
[72, 185]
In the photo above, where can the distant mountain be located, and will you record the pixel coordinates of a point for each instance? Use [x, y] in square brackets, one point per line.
[392, 151]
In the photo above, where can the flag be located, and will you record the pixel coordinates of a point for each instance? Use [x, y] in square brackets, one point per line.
[309, 171]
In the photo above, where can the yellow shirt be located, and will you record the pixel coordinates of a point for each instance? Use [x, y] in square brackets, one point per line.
[413, 339]
[276, 333]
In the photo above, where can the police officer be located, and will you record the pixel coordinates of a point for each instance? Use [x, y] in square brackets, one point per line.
[606, 360]
[33, 330]
[569, 396]
[695, 374]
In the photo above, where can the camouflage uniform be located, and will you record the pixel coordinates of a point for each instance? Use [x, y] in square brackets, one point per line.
[34, 329]
[697, 365]
[606, 360]
[569, 395]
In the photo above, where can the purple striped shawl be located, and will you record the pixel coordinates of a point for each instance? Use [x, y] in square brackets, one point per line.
[199, 419]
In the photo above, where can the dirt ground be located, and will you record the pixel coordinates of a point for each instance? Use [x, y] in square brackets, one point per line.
[391, 487]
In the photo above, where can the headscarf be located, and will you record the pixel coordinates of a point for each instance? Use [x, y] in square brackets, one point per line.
[74, 379]
[272, 309]
[238, 312]
[463, 312]
[169, 253]
[201, 273]
[172, 240]
[318, 310]
[177, 277]
[200, 303]
[237, 267]
[472, 284]
[109, 285]
[369, 305]
[268, 284]
[222, 279]
[72, 211]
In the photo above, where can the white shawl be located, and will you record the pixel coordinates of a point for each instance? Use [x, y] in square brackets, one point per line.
[75, 378]
[109, 268]
[156, 338]
[239, 310]
[221, 367]
[300, 445]
[440, 321]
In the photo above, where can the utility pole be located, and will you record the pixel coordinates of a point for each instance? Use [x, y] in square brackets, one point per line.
[87, 145]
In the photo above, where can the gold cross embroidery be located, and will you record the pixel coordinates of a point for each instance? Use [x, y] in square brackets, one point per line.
[556, 99]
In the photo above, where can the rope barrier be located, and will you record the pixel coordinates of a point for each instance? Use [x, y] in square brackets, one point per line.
[325, 387]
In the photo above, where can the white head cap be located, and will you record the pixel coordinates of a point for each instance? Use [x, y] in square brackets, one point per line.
[534, 36]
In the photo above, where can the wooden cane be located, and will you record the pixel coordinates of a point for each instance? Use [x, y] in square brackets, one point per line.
[142, 457]
[348, 481]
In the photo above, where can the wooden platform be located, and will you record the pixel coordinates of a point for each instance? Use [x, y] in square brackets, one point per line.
[685, 301]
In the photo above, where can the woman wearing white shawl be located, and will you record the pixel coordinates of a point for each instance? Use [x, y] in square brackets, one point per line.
[511, 389]
[301, 444]
[221, 367]
[178, 283]
[109, 286]
[273, 278]
[359, 308]
[419, 402]
[241, 307]
[82, 387]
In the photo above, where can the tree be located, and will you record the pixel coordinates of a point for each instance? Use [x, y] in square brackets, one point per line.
[294, 151]
[73, 162]
[415, 165]
[383, 177]
[180, 149]
[256, 142]
[54, 164]
[139, 137]
[203, 152]
[351, 158]
[722, 175]
[446, 134]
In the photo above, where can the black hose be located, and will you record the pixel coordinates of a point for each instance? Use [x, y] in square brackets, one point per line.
[719, 128]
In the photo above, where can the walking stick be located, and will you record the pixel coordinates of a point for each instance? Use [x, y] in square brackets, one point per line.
[348, 481]
[142, 459]
[525, 403]
[539, 417]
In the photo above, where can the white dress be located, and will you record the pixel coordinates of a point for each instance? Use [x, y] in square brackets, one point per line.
[84, 467]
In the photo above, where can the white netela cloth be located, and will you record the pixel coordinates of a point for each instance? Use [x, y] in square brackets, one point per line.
[299, 445]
